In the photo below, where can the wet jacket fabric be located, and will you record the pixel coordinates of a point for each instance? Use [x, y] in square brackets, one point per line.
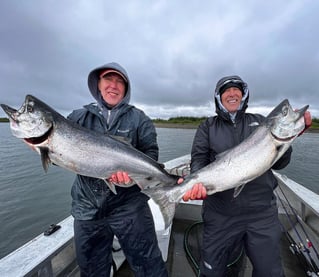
[133, 225]
[220, 133]
[91, 198]
[250, 219]
[99, 214]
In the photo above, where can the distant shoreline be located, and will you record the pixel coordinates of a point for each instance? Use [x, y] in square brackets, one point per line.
[313, 130]
[192, 126]
[161, 125]
[176, 125]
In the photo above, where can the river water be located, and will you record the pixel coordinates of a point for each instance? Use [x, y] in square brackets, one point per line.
[31, 200]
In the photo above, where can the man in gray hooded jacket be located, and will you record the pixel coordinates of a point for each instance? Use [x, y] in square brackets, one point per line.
[98, 213]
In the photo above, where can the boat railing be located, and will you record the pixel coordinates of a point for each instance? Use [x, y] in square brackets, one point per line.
[38, 256]
[304, 201]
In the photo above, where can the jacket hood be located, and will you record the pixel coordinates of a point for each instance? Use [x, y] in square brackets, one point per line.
[220, 109]
[94, 77]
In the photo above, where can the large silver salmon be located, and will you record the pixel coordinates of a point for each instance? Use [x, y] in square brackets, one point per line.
[68, 145]
[258, 153]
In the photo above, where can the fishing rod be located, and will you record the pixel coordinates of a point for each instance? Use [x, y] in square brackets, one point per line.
[297, 251]
[309, 243]
[299, 248]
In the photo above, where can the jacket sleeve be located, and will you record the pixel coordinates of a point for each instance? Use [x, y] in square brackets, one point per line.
[147, 137]
[200, 155]
[76, 116]
[284, 160]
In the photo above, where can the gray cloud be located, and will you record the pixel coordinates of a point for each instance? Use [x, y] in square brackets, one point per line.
[174, 51]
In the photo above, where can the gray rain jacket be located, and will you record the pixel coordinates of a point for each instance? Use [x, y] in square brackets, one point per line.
[91, 198]
[222, 132]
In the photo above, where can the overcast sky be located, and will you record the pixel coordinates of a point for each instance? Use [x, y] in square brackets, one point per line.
[173, 50]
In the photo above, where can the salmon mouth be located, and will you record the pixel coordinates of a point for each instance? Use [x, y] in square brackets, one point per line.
[9, 111]
[41, 139]
[283, 139]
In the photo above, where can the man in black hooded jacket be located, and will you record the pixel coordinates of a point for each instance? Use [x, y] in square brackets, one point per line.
[250, 219]
[98, 213]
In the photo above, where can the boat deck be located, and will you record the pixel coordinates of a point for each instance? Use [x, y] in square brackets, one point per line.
[179, 266]
[177, 263]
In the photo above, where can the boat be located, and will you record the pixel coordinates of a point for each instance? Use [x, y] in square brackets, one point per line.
[52, 253]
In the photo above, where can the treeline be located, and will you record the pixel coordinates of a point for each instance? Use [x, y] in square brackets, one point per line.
[197, 120]
[181, 120]
[4, 119]
[315, 123]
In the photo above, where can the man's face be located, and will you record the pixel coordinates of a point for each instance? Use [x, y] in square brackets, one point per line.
[231, 99]
[112, 88]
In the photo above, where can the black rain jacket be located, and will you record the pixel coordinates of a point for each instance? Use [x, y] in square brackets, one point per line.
[91, 197]
[222, 132]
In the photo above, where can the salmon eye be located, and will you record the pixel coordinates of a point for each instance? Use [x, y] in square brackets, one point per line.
[285, 111]
[29, 109]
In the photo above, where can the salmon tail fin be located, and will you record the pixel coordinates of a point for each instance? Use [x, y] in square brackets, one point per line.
[166, 207]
